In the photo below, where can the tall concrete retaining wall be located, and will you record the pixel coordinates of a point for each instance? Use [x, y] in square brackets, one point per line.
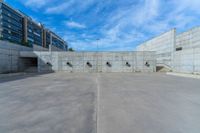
[187, 61]
[189, 39]
[187, 52]
[180, 52]
[9, 56]
[96, 61]
[163, 45]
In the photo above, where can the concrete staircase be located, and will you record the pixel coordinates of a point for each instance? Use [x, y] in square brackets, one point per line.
[163, 68]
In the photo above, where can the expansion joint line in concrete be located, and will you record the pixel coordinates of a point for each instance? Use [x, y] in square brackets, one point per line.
[97, 102]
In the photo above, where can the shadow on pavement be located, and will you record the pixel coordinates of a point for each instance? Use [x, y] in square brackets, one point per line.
[18, 76]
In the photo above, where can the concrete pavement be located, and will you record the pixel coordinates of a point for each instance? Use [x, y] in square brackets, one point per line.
[99, 103]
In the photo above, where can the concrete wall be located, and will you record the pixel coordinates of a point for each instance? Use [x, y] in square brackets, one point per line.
[187, 59]
[189, 39]
[9, 56]
[39, 48]
[53, 48]
[181, 52]
[96, 62]
[163, 45]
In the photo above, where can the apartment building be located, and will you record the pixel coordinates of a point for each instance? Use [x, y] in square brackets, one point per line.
[19, 28]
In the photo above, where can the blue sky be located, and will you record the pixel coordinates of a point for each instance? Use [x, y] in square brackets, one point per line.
[113, 25]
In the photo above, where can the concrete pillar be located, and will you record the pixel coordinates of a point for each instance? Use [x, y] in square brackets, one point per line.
[44, 38]
[50, 45]
[173, 49]
[25, 30]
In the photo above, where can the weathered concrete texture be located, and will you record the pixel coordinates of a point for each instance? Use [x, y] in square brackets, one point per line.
[189, 39]
[53, 103]
[179, 52]
[9, 56]
[141, 103]
[163, 45]
[187, 75]
[187, 61]
[96, 61]
[53, 48]
[124, 102]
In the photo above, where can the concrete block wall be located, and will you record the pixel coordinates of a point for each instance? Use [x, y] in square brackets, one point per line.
[163, 45]
[53, 48]
[179, 52]
[9, 60]
[9, 56]
[188, 39]
[71, 62]
[39, 48]
[187, 61]
[97, 61]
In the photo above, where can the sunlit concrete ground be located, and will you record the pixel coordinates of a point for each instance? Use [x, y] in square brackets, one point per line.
[103, 103]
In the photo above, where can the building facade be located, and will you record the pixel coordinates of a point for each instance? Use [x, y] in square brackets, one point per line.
[18, 28]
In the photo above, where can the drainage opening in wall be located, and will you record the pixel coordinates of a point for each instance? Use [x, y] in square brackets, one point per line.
[128, 64]
[89, 64]
[29, 64]
[108, 64]
[69, 64]
[147, 64]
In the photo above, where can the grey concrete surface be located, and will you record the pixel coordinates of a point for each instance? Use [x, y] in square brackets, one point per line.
[164, 47]
[92, 62]
[179, 52]
[142, 103]
[52, 103]
[99, 103]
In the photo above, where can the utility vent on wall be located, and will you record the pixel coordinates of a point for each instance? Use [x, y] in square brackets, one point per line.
[179, 49]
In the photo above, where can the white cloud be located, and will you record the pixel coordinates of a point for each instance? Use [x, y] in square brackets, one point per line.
[60, 8]
[192, 5]
[70, 7]
[73, 24]
[122, 29]
[36, 3]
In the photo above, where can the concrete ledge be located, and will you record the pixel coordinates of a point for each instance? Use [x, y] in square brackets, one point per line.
[11, 75]
[184, 75]
[27, 54]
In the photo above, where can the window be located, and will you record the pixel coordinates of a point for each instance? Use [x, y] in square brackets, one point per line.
[179, 49]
